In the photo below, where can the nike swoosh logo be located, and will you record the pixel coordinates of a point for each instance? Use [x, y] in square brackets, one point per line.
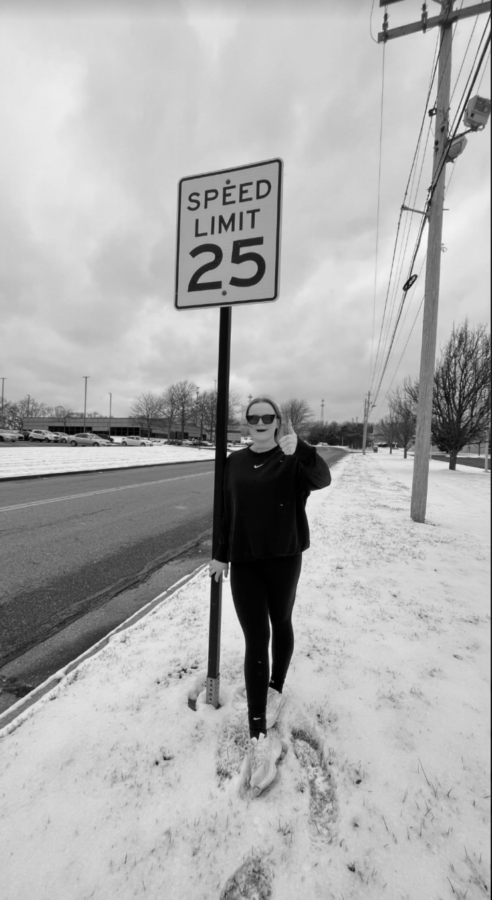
[259, 467]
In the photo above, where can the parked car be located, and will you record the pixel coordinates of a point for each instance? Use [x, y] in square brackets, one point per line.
[42, 435]
[86, 439]
[135, 441]
[9, 436]
[62, 438]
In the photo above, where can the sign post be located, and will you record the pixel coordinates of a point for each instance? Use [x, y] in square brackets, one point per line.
[213, 670]
[228, 253]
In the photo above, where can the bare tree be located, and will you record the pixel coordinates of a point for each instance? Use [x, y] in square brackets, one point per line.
[461, 395]
[300, 414]
[64, 413]
[147, 410]
[235, 400]
[10, 415]
[387, 428]
[169, 407]
[210, 413]
[185, 394]
[411, 389]
[200, 410]
[28, 408]
[403, 412]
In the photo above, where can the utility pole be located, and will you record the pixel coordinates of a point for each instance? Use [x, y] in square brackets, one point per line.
[367, 407]
[110, 401]
[432, 278]
[322, 412]
[434, 213]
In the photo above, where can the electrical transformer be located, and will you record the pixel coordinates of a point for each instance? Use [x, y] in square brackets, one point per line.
[477, 113]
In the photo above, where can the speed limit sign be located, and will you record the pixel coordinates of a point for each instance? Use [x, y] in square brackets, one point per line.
[228, 247]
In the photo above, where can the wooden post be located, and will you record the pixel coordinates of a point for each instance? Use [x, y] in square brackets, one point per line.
[367, 407]
[432, 278]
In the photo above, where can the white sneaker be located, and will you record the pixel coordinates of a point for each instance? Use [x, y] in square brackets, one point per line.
[275, 701]
[264, 753]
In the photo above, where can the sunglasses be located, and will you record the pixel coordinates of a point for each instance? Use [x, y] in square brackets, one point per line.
[267, 420]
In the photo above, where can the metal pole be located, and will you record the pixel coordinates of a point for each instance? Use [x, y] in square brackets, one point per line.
[85, 396]
[110, 399]
[213, 672]
[3, 422]
[432, 277]
[486, 464]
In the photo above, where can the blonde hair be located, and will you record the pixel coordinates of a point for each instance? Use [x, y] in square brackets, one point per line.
[274, 406]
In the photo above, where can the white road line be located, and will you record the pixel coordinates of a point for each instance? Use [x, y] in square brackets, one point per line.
[125, 487]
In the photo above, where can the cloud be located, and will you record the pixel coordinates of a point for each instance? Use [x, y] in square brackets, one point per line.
[104, 109]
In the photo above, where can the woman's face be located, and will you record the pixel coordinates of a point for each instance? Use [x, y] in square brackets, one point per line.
[262, 432]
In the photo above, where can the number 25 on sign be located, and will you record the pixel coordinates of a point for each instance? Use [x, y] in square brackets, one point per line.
[228, 244]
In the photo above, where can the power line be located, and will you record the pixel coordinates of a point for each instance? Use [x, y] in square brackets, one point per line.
[432, 190]
[415, 157]
[380, 368]
[420, 306]
[406, 232]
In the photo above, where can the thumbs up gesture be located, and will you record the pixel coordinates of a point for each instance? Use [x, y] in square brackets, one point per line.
[288, 442]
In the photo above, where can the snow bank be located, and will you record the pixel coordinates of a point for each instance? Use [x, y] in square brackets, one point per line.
[111, 787]
[22, 461]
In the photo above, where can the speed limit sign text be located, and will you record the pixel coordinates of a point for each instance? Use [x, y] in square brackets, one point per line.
[228, 246]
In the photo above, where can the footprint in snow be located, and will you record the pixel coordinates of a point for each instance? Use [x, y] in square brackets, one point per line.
[251, 881]
[322, 795]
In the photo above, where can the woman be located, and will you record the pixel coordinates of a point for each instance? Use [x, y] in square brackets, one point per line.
[264, 533]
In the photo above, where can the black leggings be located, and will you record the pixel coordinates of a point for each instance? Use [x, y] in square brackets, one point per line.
[264, 591]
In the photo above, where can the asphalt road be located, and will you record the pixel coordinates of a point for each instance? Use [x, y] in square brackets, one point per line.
[70, 543]
[80, 553]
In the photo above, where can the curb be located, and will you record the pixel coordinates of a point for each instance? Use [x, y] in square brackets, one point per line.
[8, 718]
[179, 462]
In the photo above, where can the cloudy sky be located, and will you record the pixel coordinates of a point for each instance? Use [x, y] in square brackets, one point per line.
[105, 107]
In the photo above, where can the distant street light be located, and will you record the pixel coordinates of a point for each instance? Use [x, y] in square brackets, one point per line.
[85, 396]
[110, 399]
[3, 380]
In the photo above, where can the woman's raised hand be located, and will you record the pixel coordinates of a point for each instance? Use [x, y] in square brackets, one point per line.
[218, 569]
[288, 442]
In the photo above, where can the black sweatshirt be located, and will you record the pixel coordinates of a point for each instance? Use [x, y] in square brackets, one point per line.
[265, 498]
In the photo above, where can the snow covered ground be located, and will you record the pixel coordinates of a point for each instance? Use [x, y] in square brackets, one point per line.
[112, 788]
[18, 461]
